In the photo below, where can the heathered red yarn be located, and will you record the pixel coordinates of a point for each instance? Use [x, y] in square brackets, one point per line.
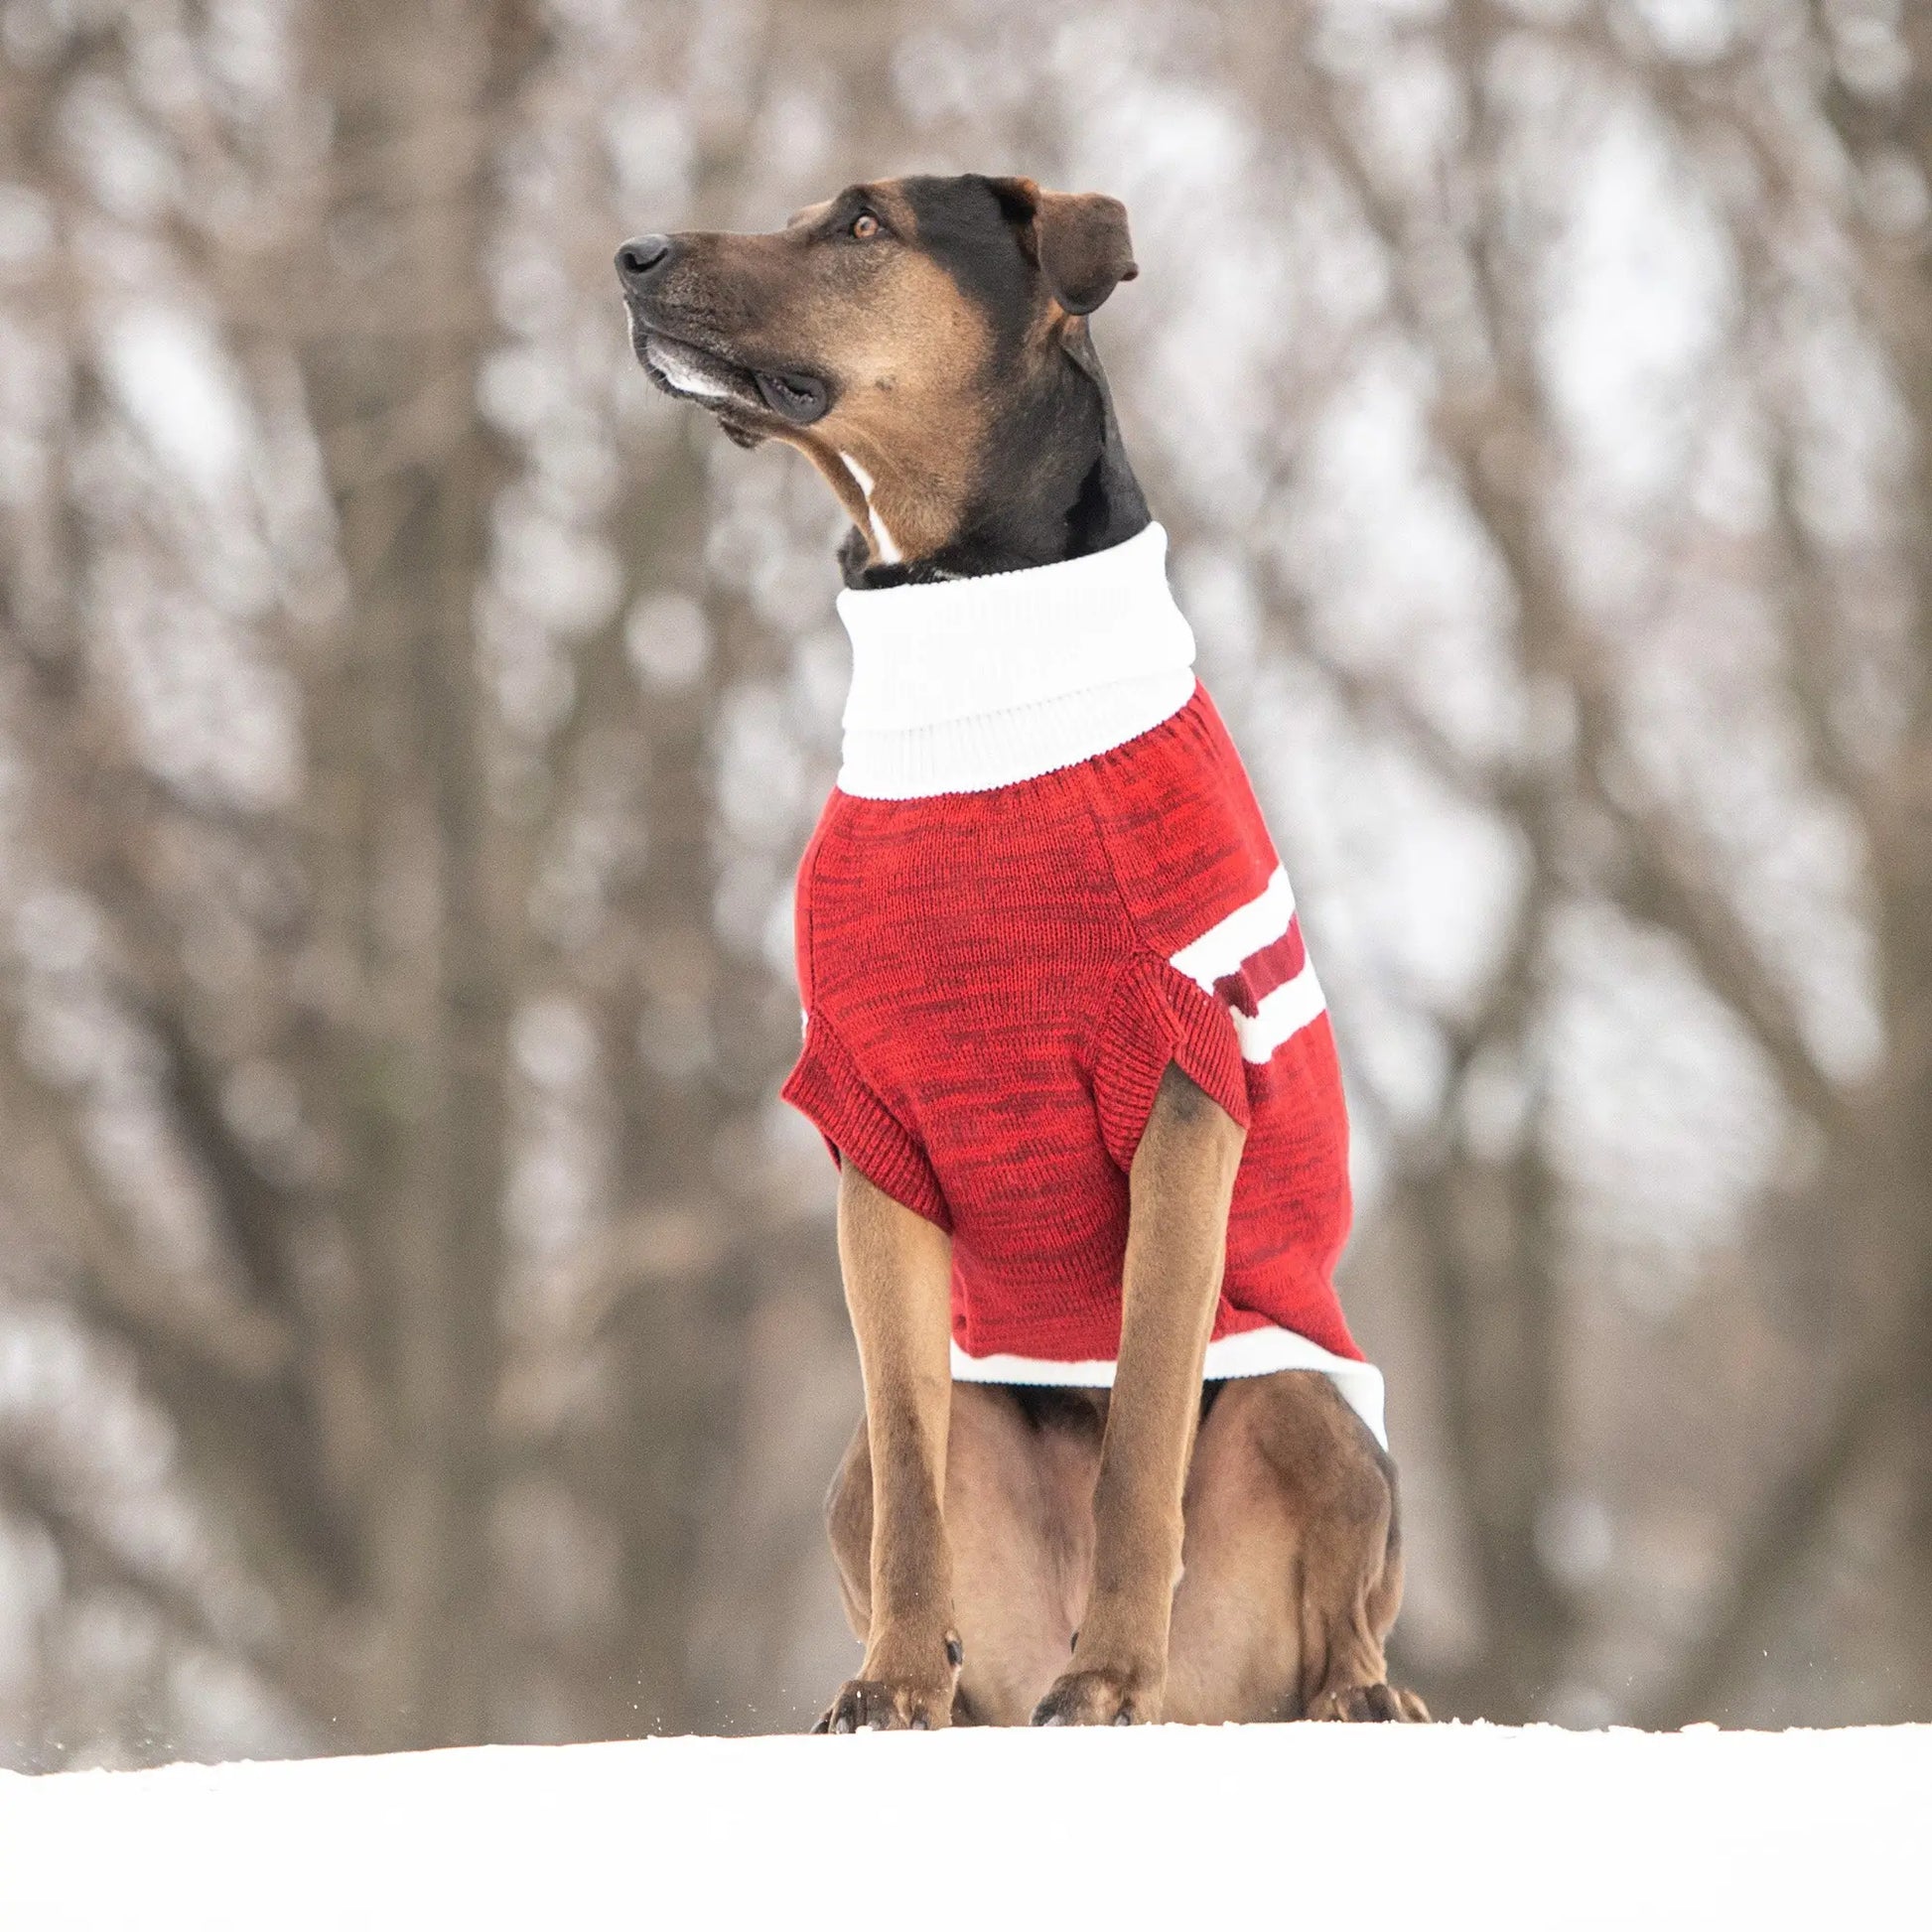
[992, 1001]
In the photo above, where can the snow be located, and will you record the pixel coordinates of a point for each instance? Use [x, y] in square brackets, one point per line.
[1317, 1825]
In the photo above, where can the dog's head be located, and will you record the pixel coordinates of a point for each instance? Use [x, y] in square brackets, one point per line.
[900, 334]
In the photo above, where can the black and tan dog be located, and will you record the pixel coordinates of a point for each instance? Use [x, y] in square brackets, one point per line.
[923, 343]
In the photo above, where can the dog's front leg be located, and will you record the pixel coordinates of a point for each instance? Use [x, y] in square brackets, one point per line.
[898, 1285]
[1179, 1188]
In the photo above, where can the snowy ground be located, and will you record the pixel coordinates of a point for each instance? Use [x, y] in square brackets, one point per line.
[1294, 1826]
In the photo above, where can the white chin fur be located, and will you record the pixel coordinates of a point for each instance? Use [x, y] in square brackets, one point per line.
[887, 550]
[685, 375]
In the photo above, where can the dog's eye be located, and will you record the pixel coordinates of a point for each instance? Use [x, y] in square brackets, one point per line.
[865, 228]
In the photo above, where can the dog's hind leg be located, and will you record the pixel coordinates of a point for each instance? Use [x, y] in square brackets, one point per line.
[1292, 1565]
[1348, 1613]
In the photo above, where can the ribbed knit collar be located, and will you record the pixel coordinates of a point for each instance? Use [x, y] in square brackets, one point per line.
[986, 681]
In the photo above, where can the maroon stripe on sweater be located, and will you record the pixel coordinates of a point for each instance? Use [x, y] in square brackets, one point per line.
[1261, 972]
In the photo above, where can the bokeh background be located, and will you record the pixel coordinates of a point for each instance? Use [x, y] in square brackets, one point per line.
[418, 1318]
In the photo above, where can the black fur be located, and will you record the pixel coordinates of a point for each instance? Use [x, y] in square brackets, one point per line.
[1057, 483]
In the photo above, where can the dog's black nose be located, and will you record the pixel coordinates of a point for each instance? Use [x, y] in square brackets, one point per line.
[636, 259]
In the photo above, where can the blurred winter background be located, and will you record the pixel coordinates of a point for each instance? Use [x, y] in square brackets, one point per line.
[418, 1318]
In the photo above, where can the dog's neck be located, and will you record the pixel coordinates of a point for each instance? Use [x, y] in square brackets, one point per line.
[1053, 483]
[986, 681]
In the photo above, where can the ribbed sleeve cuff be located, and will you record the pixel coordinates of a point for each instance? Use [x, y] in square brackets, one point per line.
[1156, 1017]
[825, 1086]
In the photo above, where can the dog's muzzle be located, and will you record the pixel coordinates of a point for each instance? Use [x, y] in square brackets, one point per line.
[702, 370]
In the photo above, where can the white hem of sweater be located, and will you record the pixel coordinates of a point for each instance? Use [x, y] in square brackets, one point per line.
[988, 681]
[1256, 1351]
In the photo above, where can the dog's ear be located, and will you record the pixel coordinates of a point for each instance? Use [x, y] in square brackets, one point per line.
[1078, 242]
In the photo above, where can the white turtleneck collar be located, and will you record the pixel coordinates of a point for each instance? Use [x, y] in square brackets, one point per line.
[984, 681]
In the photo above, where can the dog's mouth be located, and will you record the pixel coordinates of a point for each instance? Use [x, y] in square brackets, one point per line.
[700, 375]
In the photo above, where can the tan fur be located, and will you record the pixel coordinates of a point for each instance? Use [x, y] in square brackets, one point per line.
[898, 1284]
[908, 348]
[978, 1513]
[1276, 1522]
[1291, 1574]
[1178, 1188]
[910, 408]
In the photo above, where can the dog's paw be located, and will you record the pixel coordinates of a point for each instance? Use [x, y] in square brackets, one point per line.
[894, 1700]
[1098, 1697]
[865, 1704]
[1368, 1703]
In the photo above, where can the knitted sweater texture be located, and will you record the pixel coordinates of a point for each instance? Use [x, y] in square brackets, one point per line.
[999, 962]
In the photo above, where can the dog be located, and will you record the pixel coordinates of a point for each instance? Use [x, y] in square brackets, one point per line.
[1120, 1461]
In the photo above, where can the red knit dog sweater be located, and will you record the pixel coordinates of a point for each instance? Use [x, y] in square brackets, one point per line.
[1043, 877]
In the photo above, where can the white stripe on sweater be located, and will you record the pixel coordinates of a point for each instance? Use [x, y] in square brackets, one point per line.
[1280, 1015]
[1225, 948]
[1221, 949]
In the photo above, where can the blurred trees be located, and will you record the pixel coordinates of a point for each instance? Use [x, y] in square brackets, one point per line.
[417, 1320]
[1802, 137]
[447, 1343]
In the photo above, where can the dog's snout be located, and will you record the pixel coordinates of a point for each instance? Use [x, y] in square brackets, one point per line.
[639, 258]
